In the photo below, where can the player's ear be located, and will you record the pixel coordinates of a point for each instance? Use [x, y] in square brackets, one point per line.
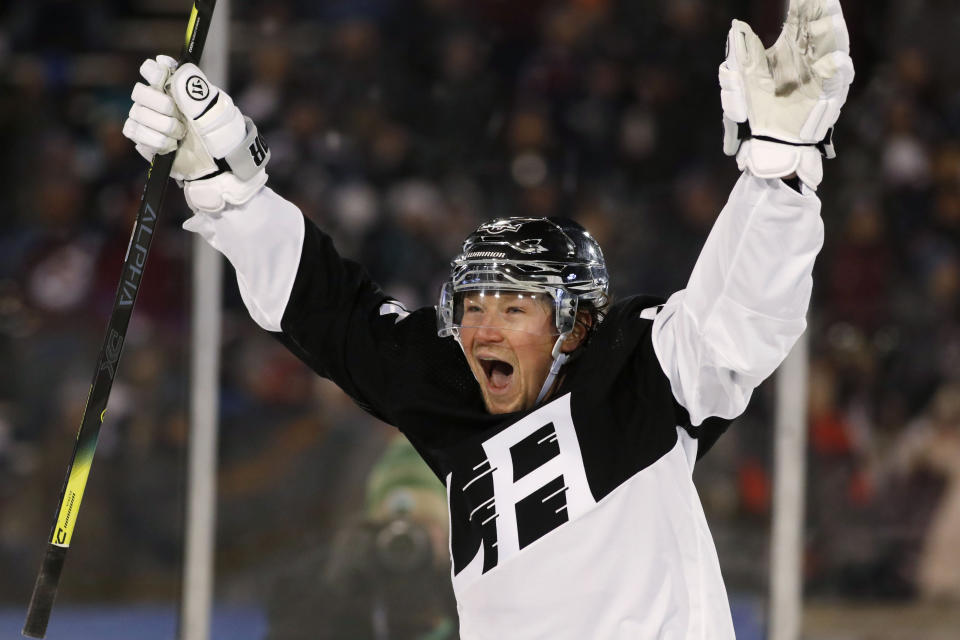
[579, 333]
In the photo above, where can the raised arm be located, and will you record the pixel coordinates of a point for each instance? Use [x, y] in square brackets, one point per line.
[746, 301]
[291, 279]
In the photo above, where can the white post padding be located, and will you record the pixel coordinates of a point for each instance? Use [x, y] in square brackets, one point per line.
[200, 534]
[790, 450]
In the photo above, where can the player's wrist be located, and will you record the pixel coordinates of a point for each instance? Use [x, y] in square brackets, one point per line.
[793, 181]
[770, 160]
[213, 194]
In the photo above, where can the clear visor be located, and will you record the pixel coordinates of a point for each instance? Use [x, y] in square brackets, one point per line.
[484, 307]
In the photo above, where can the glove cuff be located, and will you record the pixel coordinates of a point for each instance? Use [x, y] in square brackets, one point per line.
[765, 158]
[769, 157]
[251, 155]
[211, 195]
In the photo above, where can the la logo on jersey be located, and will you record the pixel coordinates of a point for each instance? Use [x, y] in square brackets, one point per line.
[515, 488]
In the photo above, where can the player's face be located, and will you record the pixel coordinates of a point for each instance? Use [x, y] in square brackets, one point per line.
[507, 338]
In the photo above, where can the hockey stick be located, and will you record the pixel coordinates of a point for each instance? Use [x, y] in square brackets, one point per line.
[45, 589]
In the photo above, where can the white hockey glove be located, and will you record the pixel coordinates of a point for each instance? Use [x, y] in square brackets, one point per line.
[780, 104]
[221, 159]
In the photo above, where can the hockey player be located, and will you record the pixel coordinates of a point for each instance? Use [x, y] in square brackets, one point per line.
[564, 426]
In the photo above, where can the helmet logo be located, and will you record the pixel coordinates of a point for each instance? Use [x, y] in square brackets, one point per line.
[533, 245]
[500, 226]
[486, 254]
[528, 246]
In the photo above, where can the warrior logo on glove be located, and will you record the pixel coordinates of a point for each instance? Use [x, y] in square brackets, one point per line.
[197, 88]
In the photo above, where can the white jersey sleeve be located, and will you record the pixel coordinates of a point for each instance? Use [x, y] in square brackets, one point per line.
[263, 240]
[746, 301]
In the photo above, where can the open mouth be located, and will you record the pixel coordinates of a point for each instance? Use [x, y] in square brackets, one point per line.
[498, 372]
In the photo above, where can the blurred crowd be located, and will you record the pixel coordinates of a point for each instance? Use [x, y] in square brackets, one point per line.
[399, 125]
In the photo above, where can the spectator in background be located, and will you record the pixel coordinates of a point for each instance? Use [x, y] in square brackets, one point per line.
[385, 575]
[861, 266]
[930, 445]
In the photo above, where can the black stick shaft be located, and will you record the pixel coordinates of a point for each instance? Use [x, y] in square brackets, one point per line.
[48, 579]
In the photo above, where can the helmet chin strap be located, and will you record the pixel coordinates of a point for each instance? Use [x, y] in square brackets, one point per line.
[559, 359]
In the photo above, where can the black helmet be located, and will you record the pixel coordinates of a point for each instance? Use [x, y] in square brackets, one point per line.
[553, 255]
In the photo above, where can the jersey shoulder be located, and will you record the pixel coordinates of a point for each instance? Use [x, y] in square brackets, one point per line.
[615, 342]
[619, 377]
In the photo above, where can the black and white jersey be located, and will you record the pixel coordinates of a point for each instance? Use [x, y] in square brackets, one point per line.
[578, 518]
